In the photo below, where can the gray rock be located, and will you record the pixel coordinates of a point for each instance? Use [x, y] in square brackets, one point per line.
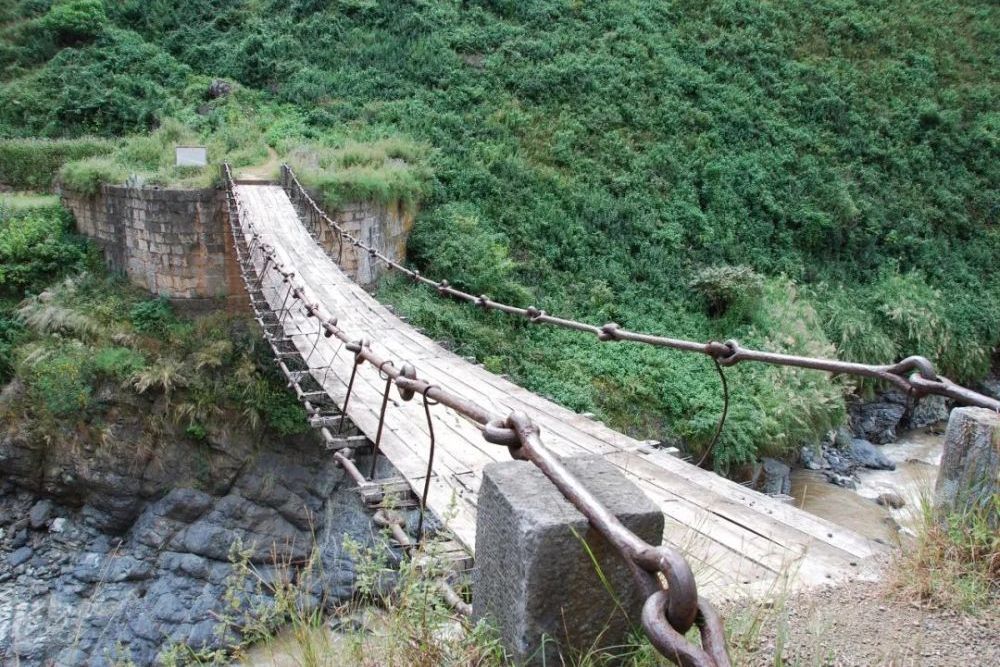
[202, 635]
[866, 454]
[186, 505]
[842, 438]
[841, 462]
[812, 457]
[841, 480]
[20, 556]
[219, 88]
[160, 572]
[127, 568]
[929, 410]
[777, 477]
[40, 513]
[876, 421]
[20, 539]
[890, 499]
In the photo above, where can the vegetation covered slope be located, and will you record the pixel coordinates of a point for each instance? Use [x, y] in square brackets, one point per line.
[813, 177]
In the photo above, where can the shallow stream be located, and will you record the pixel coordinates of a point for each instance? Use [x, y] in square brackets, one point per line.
[917, 455]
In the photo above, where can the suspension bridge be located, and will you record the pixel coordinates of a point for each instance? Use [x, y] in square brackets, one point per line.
[738, 540]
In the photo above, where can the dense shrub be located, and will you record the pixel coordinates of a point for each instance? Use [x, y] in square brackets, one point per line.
[74, 21]
[35, 247]
[32, 163]
[112, 86]
[728, 288]
[87, 176]
[473, 258]
[153, 317]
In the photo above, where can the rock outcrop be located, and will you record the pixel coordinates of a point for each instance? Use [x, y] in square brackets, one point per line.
[115, 551]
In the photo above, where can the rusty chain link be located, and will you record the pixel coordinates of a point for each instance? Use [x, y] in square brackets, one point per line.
[668, 612]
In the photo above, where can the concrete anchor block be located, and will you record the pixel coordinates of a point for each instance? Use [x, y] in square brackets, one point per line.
[535, 576]
[969, 478]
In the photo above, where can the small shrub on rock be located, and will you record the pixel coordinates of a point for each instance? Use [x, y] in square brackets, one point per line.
[729, 289]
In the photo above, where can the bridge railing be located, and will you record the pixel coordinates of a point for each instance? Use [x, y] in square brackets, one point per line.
[672, 604]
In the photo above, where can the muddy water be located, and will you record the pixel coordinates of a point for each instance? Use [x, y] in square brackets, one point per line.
[917, 455]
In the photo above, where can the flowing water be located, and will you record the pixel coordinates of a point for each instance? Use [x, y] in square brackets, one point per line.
[917, 455]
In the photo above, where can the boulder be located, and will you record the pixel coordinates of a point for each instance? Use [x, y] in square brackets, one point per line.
[876, 421]
[841, 480]
[20, 556]
[840, 462]
[219, 88]
[812, 457]
[40, 513]
[776, 477]
[929, 410]
[890, 499]
[867, 455]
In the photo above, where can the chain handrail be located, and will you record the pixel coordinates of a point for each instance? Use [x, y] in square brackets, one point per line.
[915, 375]
[670, 611]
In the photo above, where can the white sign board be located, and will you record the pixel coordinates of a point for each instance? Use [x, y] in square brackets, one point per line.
[191, 156]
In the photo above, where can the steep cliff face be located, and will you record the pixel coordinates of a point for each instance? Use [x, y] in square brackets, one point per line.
[117, 540]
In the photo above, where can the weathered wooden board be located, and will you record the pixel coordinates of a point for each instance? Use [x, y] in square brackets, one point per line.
[737, 539]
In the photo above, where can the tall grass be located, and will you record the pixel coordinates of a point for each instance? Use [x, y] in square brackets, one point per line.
[387, 171]
[31, 163]
[955, 562]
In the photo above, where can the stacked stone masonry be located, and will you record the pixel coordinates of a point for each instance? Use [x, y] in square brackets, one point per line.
[384, 227]
[175, 243]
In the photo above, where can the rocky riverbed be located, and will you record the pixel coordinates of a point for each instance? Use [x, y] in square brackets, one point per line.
[105, 556]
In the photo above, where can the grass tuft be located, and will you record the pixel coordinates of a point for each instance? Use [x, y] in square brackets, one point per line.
[955, 562]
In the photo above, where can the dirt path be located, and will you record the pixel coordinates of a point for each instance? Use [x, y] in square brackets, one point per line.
[266, 171]
[858, 625]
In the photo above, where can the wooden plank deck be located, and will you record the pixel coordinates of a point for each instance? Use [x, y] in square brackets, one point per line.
[739, 541]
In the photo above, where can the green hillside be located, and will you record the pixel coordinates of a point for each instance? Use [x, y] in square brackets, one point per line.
[605, 160]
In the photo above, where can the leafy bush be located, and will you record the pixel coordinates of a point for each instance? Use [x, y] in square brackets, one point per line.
[454, 243]
[11, 334]
[74, 21]
[119, 363]
[35, 247]
[728, 288]
[115, 85]
[59, 377]
[32, 163]
[87, 176]
[153, 317]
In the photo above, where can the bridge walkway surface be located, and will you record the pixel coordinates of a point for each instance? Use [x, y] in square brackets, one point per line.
[739, 541]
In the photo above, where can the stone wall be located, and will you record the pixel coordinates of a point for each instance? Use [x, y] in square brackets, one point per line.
[383, 227]
[175, 243]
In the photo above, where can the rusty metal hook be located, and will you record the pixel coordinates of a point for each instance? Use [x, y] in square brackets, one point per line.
[428, 402]
[381, 416]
